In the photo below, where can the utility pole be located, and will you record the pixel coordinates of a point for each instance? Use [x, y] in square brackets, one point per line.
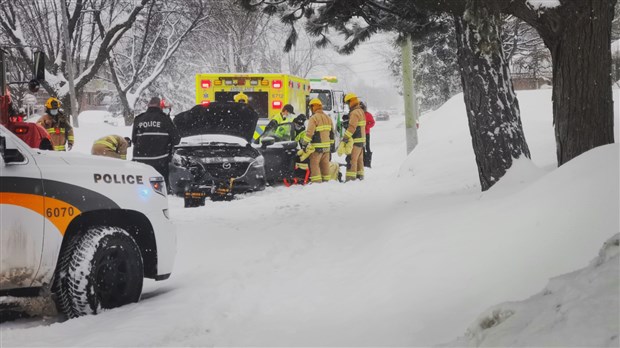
[411, 105]
[231, 55]
[69, 63]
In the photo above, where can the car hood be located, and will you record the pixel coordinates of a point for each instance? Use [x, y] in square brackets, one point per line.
[234, 119]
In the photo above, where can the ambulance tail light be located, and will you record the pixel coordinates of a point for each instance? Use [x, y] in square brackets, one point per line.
[264, 83]
[205, 84]
[158, 184]
[205, 102]
[277, 84]
[276, 104]
[253, 82]
[217, 82]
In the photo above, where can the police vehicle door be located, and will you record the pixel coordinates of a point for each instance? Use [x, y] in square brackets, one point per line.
[22, 214]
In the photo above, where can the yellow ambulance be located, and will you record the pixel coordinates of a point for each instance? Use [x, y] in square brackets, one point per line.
[267, 93]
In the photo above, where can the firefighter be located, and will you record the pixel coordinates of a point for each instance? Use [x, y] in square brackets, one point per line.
[153, 137]
[370, 122]
[166, 107]
[55, 123]
[355, 133]
[285, 116]
[113, 146]
[317, 141]
[241, 98]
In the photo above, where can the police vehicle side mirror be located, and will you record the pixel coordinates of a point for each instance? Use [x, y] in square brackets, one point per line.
[266, 141]
[9, 151]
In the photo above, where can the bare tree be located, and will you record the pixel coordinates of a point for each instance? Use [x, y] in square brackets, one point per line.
[29, 23]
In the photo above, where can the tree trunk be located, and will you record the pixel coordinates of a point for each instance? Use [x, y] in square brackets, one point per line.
[582, 94]
[492, 106]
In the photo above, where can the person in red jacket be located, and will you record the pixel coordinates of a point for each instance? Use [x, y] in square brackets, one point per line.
[370, 122]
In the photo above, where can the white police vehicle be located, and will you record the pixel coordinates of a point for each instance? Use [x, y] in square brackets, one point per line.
[84, 229]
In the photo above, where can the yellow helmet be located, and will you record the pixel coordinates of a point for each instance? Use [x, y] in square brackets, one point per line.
[53, 103]
[315, 101]
[241, 98]
[349, 96]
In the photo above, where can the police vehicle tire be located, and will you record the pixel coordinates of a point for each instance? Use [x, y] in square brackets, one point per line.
[100, 269]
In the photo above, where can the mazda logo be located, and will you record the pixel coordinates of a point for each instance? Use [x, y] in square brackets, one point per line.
[226, 165]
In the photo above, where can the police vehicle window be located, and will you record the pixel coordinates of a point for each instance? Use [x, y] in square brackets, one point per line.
[324, 96]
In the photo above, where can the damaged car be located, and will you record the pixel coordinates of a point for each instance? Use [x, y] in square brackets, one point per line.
[215, 157]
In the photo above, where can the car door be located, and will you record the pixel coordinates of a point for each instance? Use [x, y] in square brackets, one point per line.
[22, 214]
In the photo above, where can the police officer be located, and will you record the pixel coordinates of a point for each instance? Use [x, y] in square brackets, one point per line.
[154, 136]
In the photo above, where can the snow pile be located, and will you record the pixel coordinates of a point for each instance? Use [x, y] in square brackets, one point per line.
[561, 314]
[543, 4]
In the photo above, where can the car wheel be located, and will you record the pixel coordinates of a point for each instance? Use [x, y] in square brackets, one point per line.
[100, 269]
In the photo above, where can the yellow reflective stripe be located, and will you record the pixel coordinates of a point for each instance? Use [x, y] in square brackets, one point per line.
[351, 174]
[106, 144]
[316, 178]
[70, 138]
[327, 177]
[321, 145]
[111, 139]
[124, 157]
[307, 139]
[359, 140]
[303, 166]
[53, 130]
[323, 128]
[59, 148]
[348, 134]
[361, 123]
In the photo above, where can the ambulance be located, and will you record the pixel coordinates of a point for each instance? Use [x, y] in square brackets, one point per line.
[332, 97]
[267, 93]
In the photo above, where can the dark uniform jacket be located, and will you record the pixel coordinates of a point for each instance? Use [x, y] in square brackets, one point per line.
[153, 135]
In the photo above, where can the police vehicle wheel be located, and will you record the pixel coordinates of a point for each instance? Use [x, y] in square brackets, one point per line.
[100, 269]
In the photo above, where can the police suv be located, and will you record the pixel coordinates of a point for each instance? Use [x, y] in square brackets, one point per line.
[84, 229]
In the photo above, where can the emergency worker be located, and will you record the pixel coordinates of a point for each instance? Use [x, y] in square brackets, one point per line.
[57, 126]
[370, 122]
[355, 133]
[154, 136]
[166, 107]
[318, 138]
[241, 98]
[285, 116]
[113, 146]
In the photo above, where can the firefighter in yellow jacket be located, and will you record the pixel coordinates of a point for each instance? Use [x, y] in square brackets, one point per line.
[356, 133]
[113, 146]
[318, 138]
[59, 129]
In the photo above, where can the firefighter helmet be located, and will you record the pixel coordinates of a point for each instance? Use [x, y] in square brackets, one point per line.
[241, 98]
[315, 101]
[53, 103]
[349, 96]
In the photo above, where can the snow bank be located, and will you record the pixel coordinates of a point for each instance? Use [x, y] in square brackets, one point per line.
[580, 308]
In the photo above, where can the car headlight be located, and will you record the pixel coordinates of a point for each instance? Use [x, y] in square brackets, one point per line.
[259, 162]
[158, 184]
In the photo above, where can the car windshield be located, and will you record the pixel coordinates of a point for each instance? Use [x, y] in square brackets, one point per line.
[325, 97]
[283, 132]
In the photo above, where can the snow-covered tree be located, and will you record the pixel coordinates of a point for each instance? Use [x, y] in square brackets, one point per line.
[37, 24]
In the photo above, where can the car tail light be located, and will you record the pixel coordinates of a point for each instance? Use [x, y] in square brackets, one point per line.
[276, 104]
[205, 84]
[20, 130]
[277, 84]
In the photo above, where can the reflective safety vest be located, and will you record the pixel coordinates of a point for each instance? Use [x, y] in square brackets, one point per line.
[357, 126]
[319, 131]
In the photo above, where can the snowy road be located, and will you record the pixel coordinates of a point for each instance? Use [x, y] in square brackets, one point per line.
[391, 261]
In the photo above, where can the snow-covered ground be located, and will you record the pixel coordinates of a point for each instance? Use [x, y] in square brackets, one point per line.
[409, 257]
